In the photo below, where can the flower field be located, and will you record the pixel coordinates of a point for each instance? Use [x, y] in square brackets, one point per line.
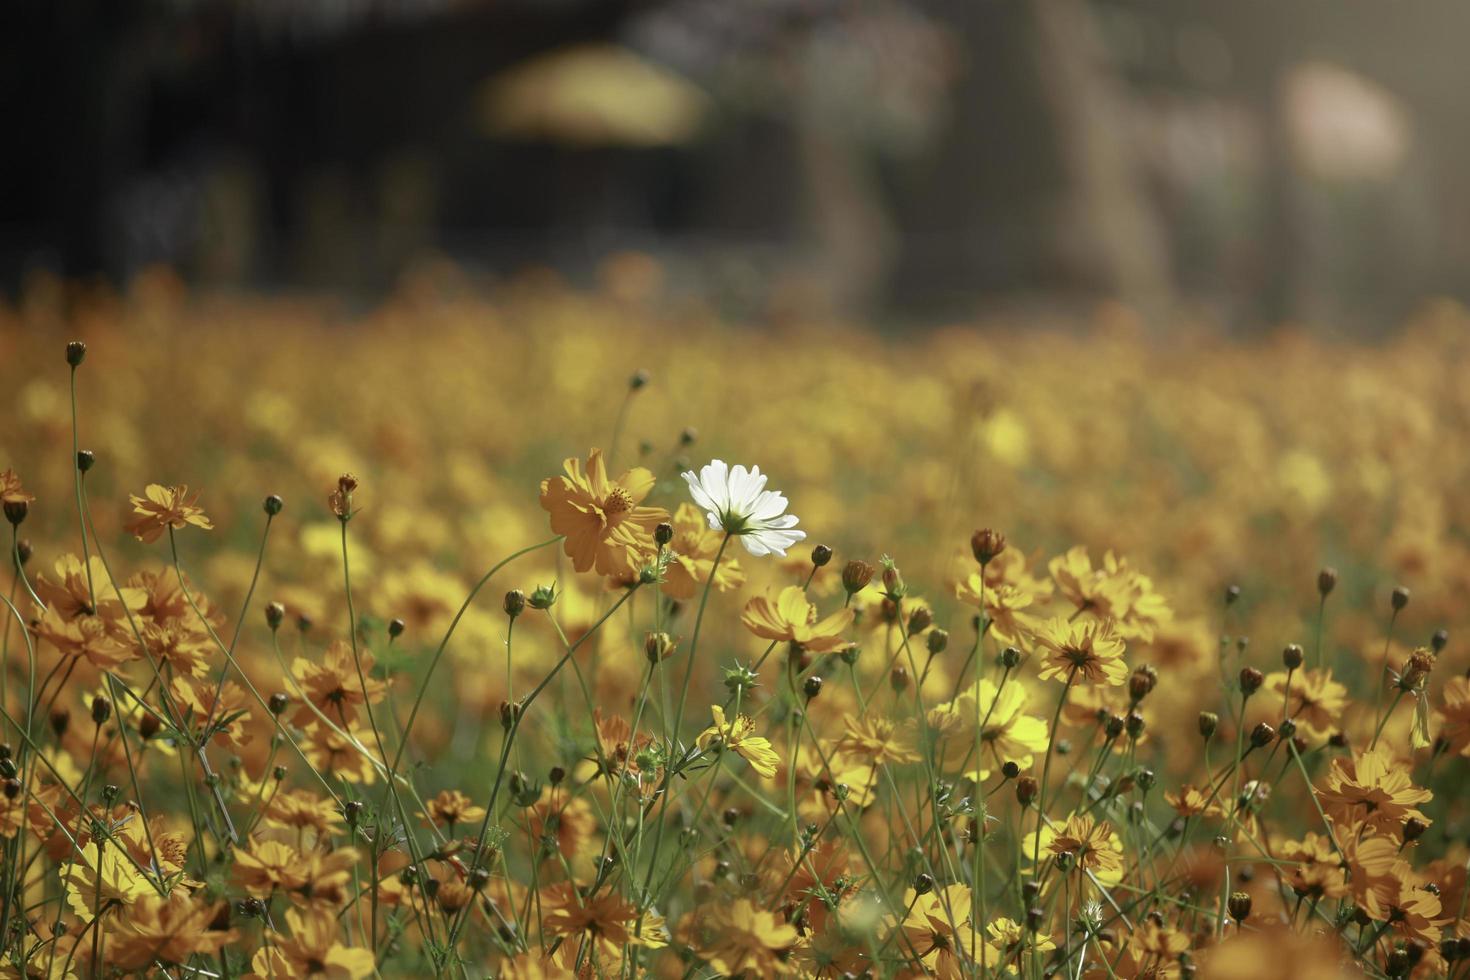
[540, 633]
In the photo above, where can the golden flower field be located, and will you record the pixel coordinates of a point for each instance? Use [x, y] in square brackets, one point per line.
[460, 636]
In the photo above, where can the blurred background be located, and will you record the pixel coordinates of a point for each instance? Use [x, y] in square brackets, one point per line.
[906, 161]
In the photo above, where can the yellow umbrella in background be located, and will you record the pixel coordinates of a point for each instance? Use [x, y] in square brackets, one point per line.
[592, 95]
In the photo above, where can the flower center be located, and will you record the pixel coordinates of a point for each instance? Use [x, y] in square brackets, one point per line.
[618, 500]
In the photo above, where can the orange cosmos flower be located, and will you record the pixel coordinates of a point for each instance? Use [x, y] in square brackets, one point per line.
[791, 618]
[1372, 788]
[604, 526]
[164, 507]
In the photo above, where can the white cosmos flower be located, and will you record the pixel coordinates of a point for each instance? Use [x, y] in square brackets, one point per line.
[736, 501]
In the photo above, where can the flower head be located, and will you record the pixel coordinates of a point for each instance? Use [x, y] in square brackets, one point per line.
[736, 501]
[604, 526]
[1092, 652]
[792, 618]
[740, 736]
[163, 507]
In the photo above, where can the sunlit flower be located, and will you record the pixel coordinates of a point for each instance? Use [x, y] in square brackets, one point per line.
[1007, 733]
[452, 807]
[736, 501]
[604, 525]
[937, 926]
[1372, 788]
[161, 508]
[739, 736]
[608, 920]
[1089, 651]
[791, 618]
[1092, 846]
[879, 740]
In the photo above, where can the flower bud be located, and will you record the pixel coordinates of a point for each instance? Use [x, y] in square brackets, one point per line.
[396, 628]
[1263, 734]
[101, 709]
[1250, 681]
[1208, 722]
[987, 545]
[1287, 728]
[23, 550]
[543, 597]
[892, 580]
[60, 720]
[898, 678]
[1026, 790]
[1414, 828]
[86, 459]
[923, 884]
[515, 603]
[639, 379]
[938, 640]
[555, 775]
[1440, 640]
[76, 352]
[275, 614]
[1232, 594]
[812, 687]
[663, 534]
[1134, 724]
[920, 620]
[856, 575]
[148, 725]
[1291, 657]
[16, 511]
[1399, 599]
[1113, 726]
[1326, 580]
[1141, 682]
[274, 505]
[278, 704]
[1010, 770]
[1239, 906]
[658, 647]
[821, 555]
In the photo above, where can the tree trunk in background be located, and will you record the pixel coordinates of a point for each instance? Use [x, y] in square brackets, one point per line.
[1119, 240]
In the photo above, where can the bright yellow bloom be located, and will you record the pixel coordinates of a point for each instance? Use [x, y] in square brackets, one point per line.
[120, 882]
[163, 507]
[1090, 652]
[740, 736]
[312, 950]
[790, 617]
[604, 527]
[1313, 700]
[1007, 733]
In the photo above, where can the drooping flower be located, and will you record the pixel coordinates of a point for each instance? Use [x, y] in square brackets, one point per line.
[790, 617]
[736, 501]
[1089, 651]
[739, 736]
[163, 507]
[604, 525]
[166, 929]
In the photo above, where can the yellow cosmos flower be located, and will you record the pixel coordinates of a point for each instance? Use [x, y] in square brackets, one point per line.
[1007, 733]
[605, 528]
[1090, 652]
[740, 736]
[792, 618]
[163, 507]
